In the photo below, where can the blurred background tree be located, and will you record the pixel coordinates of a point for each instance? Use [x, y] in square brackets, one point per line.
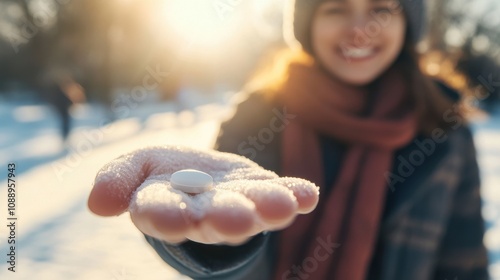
[209, 44]
[109, 44]
[464, 36]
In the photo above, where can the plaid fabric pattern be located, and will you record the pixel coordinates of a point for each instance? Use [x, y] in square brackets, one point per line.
[432, 226]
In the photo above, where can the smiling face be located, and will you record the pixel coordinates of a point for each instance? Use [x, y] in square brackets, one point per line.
[357, 40]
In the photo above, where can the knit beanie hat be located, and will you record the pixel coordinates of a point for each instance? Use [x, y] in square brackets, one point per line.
[299, 13]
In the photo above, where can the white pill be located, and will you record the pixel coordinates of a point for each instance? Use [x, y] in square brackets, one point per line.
[191, 181]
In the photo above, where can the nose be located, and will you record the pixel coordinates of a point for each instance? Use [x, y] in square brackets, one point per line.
[357, 22]
[356, 30]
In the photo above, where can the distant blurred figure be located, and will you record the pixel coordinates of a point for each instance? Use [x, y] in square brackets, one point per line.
[62, 91]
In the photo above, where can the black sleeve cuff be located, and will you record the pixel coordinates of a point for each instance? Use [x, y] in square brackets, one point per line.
[202, 261]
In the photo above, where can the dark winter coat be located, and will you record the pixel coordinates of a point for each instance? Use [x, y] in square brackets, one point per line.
[431, 227]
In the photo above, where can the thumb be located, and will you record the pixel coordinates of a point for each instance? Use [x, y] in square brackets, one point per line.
[116, 182]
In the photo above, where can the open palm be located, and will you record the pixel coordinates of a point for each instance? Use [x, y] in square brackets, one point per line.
[245, 200]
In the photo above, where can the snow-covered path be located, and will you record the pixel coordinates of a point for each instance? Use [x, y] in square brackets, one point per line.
[487, 140]
[58, 238]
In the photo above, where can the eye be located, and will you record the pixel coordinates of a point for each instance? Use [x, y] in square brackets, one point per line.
[329, 8]
[334, 11]
[379, 10]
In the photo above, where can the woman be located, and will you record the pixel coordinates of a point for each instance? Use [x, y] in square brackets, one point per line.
[352, 113]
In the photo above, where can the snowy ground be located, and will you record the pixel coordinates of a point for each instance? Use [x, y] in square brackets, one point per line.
[58, 238]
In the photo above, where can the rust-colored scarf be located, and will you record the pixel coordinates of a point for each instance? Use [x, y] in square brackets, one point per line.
[337, 239]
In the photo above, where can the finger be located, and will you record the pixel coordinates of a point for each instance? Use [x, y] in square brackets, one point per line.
[275, 204]
[116, 182]
[161, 212]
[231, 217]
[306, 193]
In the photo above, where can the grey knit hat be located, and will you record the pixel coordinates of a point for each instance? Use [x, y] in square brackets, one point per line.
[298, 15]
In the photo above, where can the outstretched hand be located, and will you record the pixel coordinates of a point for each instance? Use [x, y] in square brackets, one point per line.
[245, 200]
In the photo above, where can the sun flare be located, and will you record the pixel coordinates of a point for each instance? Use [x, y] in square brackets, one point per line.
[197, 21]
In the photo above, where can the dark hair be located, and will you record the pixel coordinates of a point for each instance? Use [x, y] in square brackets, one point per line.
[429, 101]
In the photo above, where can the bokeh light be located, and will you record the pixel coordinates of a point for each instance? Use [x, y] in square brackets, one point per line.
[197, 21]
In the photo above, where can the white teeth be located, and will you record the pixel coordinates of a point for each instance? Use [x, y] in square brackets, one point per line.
[359, 53]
